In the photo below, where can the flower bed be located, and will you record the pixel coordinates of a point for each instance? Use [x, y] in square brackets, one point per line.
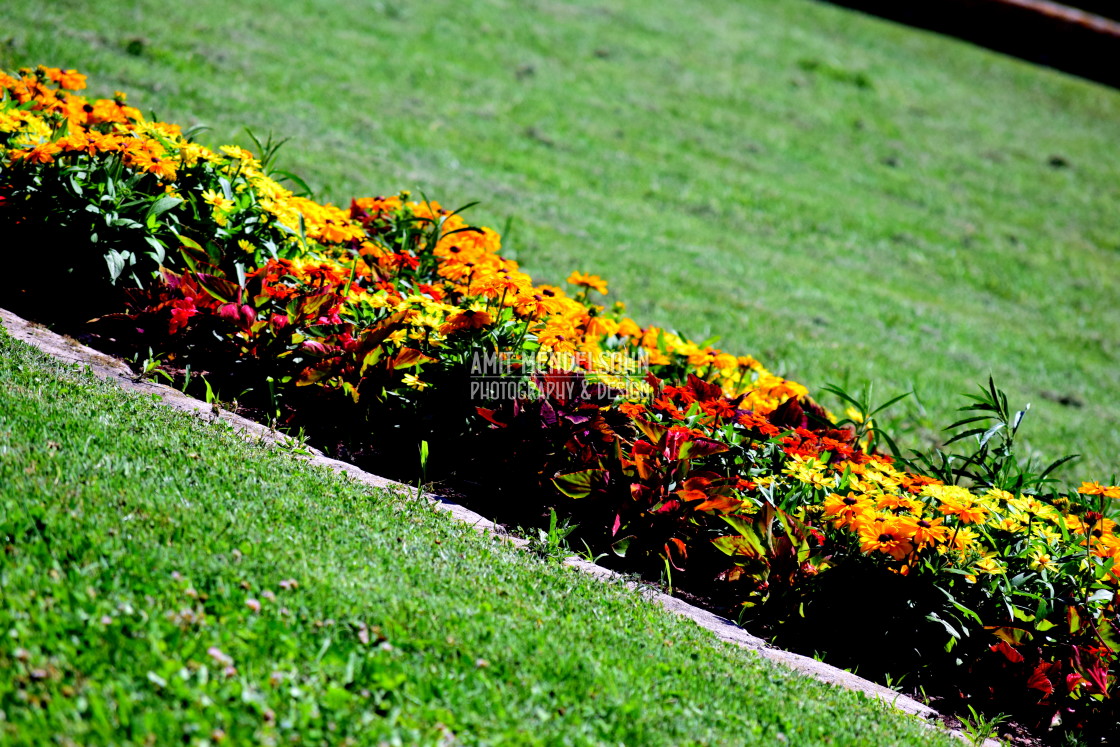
[395, 328]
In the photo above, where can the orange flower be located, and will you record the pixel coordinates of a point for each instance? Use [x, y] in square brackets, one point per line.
[845, 510]
[632, 409]
[1095, 488]
[966, 510]
[886, 537]
[555, 339]
[892, 501]
[69, 79]
[629, 328]
[924, 531]
[541, 301]
[594, 282]
[469, 319]
[41, 153]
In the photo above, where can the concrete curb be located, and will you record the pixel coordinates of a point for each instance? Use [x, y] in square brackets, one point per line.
[106, 367]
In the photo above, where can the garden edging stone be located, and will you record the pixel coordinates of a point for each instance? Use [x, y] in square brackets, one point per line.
[70, 351]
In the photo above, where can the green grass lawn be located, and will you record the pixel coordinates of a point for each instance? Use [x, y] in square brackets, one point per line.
[846, 199]
[165, 581]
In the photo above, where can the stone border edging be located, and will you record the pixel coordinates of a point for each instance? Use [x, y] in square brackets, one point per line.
[107, 367]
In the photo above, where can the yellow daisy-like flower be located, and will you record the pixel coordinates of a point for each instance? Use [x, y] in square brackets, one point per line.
[964, 538]
[999, 495]
[217, 200]
[1041, 561]
[246, 246]
[1012, 523]
[239, 153]
[807, 470]
[1049, 534]
[989, 566]
[1031, 505]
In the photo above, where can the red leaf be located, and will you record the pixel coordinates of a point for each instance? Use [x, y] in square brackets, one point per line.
[489, 415]
[1039, 681]
[722, 503]
[682, 549]
[692, 495]
[410, 357]
[1012, 655]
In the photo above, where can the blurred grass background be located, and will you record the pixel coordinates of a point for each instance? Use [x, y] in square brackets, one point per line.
[846, 199]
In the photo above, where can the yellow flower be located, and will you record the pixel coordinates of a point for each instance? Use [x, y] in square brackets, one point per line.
[810, 471]
[964, 538]
[217, 200]
[238, 153]
[1051, 535]
[1012, 523]
[246, 246]
[1031, 505]
[412, 382]
[1041, 561]
[989, 565]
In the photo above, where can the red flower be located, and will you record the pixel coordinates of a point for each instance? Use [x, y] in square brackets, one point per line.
[181, 310]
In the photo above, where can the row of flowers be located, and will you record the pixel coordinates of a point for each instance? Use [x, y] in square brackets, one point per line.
[389, 323]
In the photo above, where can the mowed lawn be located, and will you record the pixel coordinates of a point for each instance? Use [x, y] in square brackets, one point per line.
[846, 199]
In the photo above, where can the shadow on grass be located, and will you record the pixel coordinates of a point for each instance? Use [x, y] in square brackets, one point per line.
[1045, 33]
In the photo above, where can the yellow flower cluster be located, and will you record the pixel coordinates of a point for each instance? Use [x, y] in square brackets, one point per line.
[901, 515]
[110, 127]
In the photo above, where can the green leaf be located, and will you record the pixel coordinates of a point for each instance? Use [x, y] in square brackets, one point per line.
[991, 432]
[577, 484]
[933, 617]
[744, 545]
[117, 261]
[1101, 595]
[159, 251]
[159, 207]
[287, 176]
